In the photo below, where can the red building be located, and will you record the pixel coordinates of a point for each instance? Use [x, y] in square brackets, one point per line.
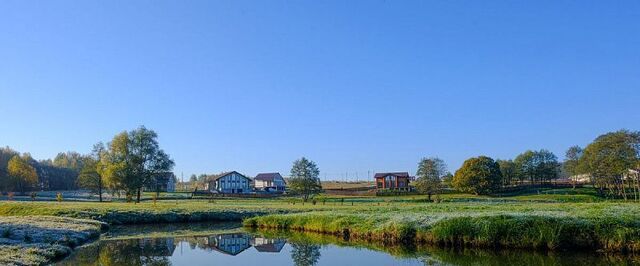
[393, 181]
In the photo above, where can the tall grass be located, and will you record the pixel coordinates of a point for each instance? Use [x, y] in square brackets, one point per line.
[530, 231]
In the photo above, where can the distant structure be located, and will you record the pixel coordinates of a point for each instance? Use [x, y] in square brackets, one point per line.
[230, 244]
[271, 245]
[162, 182]
[393, 181]
[271, 182]
[229, 182]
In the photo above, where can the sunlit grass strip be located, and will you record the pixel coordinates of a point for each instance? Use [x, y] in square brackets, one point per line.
[502, 230]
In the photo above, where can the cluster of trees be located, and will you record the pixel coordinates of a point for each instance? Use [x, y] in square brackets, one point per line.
[20, 172]
[484, 175]
[611, 162]
[126, 164]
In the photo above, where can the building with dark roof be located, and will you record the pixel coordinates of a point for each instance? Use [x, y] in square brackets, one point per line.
[269, 182]
[393, 181]
[229, 182]
[161, 182]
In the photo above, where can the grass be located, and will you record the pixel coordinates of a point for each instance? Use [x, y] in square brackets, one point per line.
[38, 240]
[145, 212]
[554, 226]
[553, 219]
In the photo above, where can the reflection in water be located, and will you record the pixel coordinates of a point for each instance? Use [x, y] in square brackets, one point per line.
[280, 248]
[305, 254]
[268, 244]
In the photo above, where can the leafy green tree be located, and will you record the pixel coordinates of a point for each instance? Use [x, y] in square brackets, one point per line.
[70, 160]
[304, 178]
[22, 176]
[447, 179]
[609, 158]
[6, 154]
[429, 176]
[132, 160]
[571, 162]
[538, 166]
[90, 177]
[304, 254]
[508, 171]
[480, 175]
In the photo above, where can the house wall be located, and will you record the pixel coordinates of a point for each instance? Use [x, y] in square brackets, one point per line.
[392, 182]
[278, 183]
[232, 183]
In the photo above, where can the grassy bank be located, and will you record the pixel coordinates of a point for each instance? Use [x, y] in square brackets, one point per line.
[37, 240]
[552, 226]
[146, 212]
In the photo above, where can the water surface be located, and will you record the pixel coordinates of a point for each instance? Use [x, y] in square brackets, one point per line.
[229, 244]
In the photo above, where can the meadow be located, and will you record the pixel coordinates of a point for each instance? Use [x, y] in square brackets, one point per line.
[548, 219]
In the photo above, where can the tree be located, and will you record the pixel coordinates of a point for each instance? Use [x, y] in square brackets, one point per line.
[447, 179]
[70, 160]
[304, 178]
[429, 176]
[609, 158]
[479, 175]
[304, 254]
[6, 154]
[508, 171]
[526, 166]
[90, 176]
[133, 159]
[21, 175]
[538, 166]
[571, 162]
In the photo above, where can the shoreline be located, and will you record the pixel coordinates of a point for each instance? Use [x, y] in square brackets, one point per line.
[38, 240]
[532, 232]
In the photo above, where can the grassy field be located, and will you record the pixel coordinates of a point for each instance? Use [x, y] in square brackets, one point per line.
[37, 240]
[542, 219]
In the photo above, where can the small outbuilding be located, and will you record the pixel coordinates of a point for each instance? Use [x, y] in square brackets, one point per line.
[161, 182]
[393, 181]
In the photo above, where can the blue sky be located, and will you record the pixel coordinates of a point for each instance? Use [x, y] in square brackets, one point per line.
[356, 86]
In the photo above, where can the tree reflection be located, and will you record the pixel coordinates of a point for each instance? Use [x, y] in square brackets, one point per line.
[305, 254]
[137, 252]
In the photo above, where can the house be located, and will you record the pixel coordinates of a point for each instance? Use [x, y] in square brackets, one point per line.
[272, 245]
[229, 182]
[230, 244]
[269, 182]
[393, 181]
[162, 182]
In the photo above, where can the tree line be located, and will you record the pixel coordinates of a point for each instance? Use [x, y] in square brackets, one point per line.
[21, 173]
[131, 160]
[611, 163]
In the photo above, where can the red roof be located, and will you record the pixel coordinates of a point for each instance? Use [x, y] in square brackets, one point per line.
[396, 174]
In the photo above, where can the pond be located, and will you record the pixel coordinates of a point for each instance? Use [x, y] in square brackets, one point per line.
[230, 244]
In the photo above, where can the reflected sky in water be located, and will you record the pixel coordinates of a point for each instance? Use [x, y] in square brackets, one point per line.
[238, 247]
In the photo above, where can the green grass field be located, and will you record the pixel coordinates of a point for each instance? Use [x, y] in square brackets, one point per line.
[542, 219]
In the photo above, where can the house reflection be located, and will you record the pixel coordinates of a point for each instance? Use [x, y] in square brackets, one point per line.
[230, 244]
[274, 245]
[235, 243]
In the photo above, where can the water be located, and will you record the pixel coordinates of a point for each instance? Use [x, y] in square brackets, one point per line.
[229, 244]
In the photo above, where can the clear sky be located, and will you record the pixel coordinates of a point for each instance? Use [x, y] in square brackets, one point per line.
[356, 86]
